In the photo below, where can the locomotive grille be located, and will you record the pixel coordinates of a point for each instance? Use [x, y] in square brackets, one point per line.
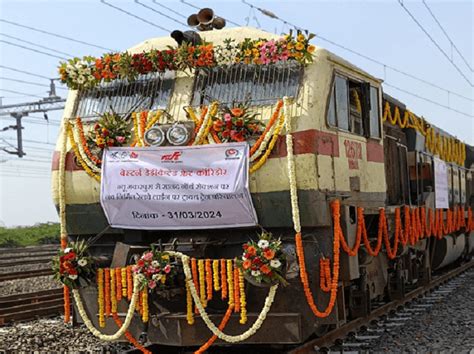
[148, 92]
[261, 85]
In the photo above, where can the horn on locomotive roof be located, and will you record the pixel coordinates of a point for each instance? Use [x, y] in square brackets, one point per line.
[206, 20]
[205, 16]
[191, 37]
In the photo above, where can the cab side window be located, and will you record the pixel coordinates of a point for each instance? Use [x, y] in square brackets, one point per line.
[354, 107]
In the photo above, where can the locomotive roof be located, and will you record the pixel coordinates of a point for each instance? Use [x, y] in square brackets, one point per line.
[239, 34]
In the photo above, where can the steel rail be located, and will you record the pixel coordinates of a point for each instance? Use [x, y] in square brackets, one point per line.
[353, 326]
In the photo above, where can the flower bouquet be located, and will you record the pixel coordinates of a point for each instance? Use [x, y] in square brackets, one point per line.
[110, 130]
[263, 261]
[154, 269]
[73, 266]
[237, 124]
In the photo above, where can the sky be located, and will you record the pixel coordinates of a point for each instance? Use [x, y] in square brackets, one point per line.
[380, 30]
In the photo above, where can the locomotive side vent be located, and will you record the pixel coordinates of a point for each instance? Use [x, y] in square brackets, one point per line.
[261, 85]
[148, 92]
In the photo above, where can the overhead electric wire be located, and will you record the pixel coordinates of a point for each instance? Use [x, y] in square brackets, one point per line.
[28, 82]
[364, 56]
[55, 34]
[20, 93]
[198, 8]
[169, 9]
[435, 43]
[160, 13]
[134, 16]
[24, 72]
[447, 36]
[429, 100]
[35, 45]
[32, 49]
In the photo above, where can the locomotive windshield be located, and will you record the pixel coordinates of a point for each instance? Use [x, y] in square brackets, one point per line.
[260, 85]
[148, 92]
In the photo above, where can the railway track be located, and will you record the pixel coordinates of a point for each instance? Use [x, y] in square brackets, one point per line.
[351, 335]
[28, 306]
[25, 274]
[27, 261]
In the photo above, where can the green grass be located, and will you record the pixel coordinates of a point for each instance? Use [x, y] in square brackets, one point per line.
[29, 235]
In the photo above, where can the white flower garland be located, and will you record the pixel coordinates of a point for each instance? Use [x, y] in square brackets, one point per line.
[62, 181]
[212, 327]
[204, 124]
[126, 323]
[291, 167]
[264, 143]
[83, 154]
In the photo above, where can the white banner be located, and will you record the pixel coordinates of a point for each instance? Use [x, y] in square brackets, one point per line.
[192, 187]
[441, 184]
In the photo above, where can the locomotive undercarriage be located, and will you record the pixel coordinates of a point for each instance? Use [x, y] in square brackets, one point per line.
[290, 320]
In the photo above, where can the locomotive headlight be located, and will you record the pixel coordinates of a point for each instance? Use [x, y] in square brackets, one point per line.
[155, 136]
[177, 135]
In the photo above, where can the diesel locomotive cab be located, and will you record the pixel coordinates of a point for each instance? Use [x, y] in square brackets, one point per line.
[342, 146]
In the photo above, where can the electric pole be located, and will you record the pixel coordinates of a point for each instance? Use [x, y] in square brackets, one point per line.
[17, 111]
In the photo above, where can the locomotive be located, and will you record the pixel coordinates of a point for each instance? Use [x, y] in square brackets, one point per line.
[351, 142]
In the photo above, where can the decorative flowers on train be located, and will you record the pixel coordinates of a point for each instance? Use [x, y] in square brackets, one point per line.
[88, 72]
[73, 266]
[237, 124]
[110, 130]
[154, 269]
[263, 261]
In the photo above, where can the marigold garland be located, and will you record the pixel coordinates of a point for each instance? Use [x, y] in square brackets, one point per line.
[107, 291]
[221, 327]
[215, 273]
[113, 287]
[189, 306]
[270, 123]
[243, 299]
[230, 281]
[223, 279]
[129, 283]
[130, 337]
[202, 282]
[123, 277]
[153, 120]
[236, 289]
[100, 296]
[78, 155]
[325, 274]
[273, 141]
[208, 279]
[136, 132]
[118, 282]
[144, 296]
[83, 140]
[142, 126]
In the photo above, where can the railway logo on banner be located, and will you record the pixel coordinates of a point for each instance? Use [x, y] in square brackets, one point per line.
[195, 187]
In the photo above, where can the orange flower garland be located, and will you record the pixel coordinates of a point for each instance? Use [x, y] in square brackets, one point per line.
[118, 282]
[100, 296]
[243, 300]
[221, 327]
[267, 128]
[230, 281]
[208, 279]
[189, 306]
[129, 283]
[130, 337]
[223, 279]
[84, 144]
[144, 297]
[107, 291]
[325, 274]
[143, 119]
[202, 282]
